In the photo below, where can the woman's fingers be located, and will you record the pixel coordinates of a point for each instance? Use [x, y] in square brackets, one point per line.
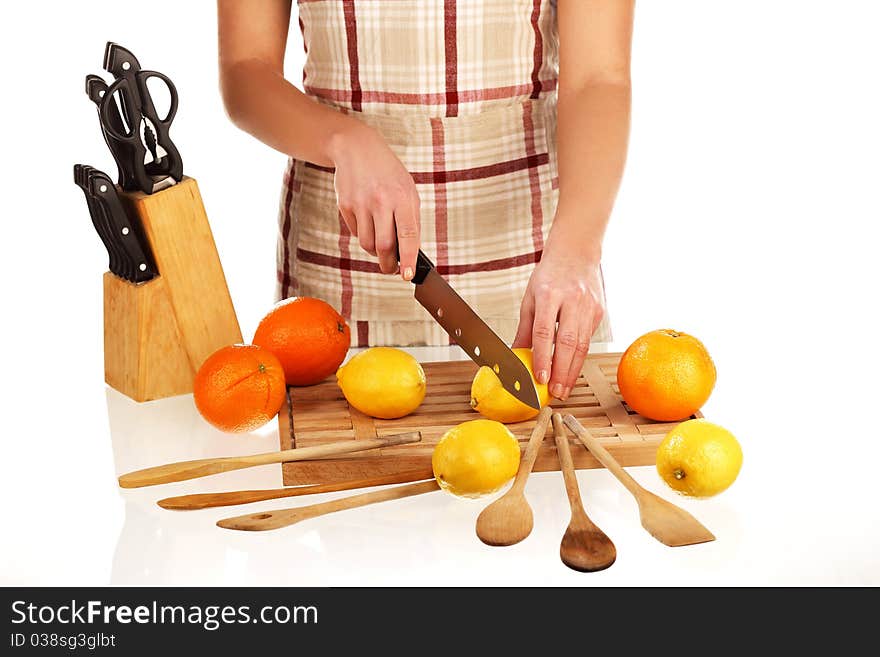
[566, 349]
[349, 219]
[585, 332]
[526, 322]
[365, 232]
[406, 220]
[386, 239]
[543, 333]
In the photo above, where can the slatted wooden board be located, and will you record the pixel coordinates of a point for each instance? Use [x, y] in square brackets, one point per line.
[320, 414]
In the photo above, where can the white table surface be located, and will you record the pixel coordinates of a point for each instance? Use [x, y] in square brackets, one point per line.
[773, 526]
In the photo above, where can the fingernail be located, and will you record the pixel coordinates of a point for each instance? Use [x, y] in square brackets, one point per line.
[556, 390]
[566, 393]
[543, 377]
[408, 273]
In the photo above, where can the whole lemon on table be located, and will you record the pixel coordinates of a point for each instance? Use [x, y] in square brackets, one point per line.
[699, 458]
[475, 458]
[492, 401]
[666, 375]
[383, 382]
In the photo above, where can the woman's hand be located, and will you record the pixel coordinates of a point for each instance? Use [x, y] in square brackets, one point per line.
[377, 197]
[565, 288]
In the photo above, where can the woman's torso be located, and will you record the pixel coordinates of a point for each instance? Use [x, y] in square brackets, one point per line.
[431, 57]
[464, 93]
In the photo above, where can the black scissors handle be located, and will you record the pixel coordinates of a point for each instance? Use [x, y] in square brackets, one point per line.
[121, 125]
[123, 65]
[170, 163]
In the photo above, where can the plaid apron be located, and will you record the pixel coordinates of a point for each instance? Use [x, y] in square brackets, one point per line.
[464, 92]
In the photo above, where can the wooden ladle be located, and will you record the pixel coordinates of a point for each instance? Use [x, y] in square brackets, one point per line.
[584, 546]
[508, 519]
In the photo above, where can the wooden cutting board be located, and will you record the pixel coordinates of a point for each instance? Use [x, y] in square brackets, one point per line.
[320, 414]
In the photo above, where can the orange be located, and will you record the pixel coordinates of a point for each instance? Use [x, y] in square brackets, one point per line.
[308, 336]
[666, 375]
[239, 388]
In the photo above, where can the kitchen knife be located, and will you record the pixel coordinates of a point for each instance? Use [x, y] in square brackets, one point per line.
[80, 177]
[138, 266]
[122, 151]
[471, 333]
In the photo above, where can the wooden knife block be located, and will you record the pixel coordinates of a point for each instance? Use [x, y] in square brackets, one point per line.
[157, 334]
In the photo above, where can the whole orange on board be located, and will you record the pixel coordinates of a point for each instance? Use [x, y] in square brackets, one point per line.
[308, 336]
[666, 375]
[239, 388]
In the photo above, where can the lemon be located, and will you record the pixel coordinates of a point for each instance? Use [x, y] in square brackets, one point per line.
[491, 400]
[699, 458]
[475, 458]
[382, 382]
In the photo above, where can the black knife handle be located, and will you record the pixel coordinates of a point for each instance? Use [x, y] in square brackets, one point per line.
[128, 234]
[423, 266]
[80, 177]
[121, 151]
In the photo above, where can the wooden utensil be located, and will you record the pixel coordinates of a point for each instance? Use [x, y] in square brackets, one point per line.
[584, 546]
[285, 517]
[229, 498]
[183, 470]
[666, 522]
[508, 519]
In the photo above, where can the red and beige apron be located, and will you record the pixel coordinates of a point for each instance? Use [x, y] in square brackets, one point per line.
[464, 92]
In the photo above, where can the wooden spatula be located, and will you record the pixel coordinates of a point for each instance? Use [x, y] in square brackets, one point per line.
[183, 470]
[285, 517]
[584, 546]
[229, 498]
[508, 519]
[664, 521]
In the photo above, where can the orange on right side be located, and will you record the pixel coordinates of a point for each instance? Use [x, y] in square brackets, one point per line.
[666, 375]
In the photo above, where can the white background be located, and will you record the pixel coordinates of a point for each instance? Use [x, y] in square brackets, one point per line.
[747, 217]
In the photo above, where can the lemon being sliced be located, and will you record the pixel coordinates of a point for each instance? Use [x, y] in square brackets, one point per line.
[491, 400]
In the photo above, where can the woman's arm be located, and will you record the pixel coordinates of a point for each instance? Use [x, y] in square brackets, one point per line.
[593, 128]
[376, 195]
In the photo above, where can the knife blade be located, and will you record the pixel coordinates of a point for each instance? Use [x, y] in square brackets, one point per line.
[471, 333]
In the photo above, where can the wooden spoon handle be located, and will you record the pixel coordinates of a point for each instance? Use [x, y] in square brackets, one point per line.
[285, 517]
[184, 470]
[210, 500]
[603, 456]
[527, 462]
[563, 451]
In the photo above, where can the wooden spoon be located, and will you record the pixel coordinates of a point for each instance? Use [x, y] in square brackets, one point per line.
[508, 519]
[664, 521]
[284, 517]
[183, 470]
[584, 546]
[229, 498]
